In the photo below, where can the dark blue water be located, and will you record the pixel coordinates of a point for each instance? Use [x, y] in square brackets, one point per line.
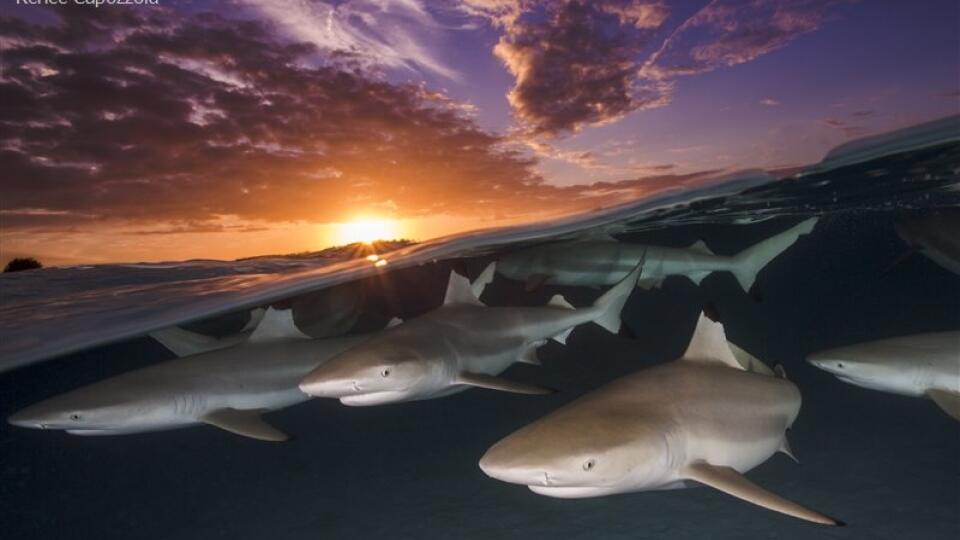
[888, 466]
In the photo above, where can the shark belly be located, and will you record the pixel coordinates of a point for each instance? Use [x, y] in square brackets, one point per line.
[667, 262]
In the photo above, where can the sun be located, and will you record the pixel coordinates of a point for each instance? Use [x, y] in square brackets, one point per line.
[366, 230]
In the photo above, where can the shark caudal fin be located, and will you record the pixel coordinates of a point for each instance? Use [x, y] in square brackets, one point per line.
[749, 262]
[485, 278]
[609, 306]
[276, 324]
[184, 342]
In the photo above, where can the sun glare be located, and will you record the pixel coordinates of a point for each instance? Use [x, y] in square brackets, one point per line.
[366, 230]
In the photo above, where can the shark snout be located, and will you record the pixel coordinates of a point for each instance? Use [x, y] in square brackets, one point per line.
[330, 382]
[827, 361]
[329, 388]
[497, 464]
[26, 419]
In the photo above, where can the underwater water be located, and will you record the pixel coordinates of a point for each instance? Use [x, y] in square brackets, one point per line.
[886, 465]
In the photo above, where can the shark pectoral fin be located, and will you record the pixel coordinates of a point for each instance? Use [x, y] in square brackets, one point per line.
[529, 356]
[731, 482]
[535, 281]
[785, 448]
[496, 383]
[244, 422]
[947, 400]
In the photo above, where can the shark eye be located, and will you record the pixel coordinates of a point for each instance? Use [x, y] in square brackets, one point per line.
[589, 464]
[840, 365]
[75, 416]
[385, 372]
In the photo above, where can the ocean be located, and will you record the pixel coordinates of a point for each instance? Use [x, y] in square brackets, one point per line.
[888, 466]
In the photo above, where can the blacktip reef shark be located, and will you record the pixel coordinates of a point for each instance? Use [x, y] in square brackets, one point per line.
[708, 418]
[920, 365]
[227, 387]
[604, 260]
[461, 344]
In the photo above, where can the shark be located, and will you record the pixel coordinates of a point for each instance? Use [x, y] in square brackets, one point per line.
[228, 387]
[919, 365]
[600, 259]
[934, 234]
[706, 418]
[462, 344]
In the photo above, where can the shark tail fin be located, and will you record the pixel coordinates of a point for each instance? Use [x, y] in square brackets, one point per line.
[184, 342]
[485, 278]
[610, 304]
[276, 324]
[749, 262]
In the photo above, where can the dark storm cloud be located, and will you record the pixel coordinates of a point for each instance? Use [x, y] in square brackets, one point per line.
[175, 123]
[574, 62]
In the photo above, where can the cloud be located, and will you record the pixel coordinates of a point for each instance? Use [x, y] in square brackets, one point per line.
[392, 33]
[574, 61]
[187, 124]
[769, 102]
[578, 63]
[849, 130]
[730, 32]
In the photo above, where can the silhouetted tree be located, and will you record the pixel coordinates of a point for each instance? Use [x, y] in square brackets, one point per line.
[22, 263]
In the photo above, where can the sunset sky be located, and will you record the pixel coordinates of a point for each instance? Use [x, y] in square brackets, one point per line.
[227, 129]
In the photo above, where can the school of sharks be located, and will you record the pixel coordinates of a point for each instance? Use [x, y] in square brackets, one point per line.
[707, 418]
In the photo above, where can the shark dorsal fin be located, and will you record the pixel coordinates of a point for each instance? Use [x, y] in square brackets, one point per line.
[701, 247]
[484, 279]
[276, 324]
[560, 302]
[709, 344]
[256, 315]
[396, 321]
[459, 291]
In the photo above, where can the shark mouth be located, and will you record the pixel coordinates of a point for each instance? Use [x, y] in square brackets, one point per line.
[373, 398]
[571, 492]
